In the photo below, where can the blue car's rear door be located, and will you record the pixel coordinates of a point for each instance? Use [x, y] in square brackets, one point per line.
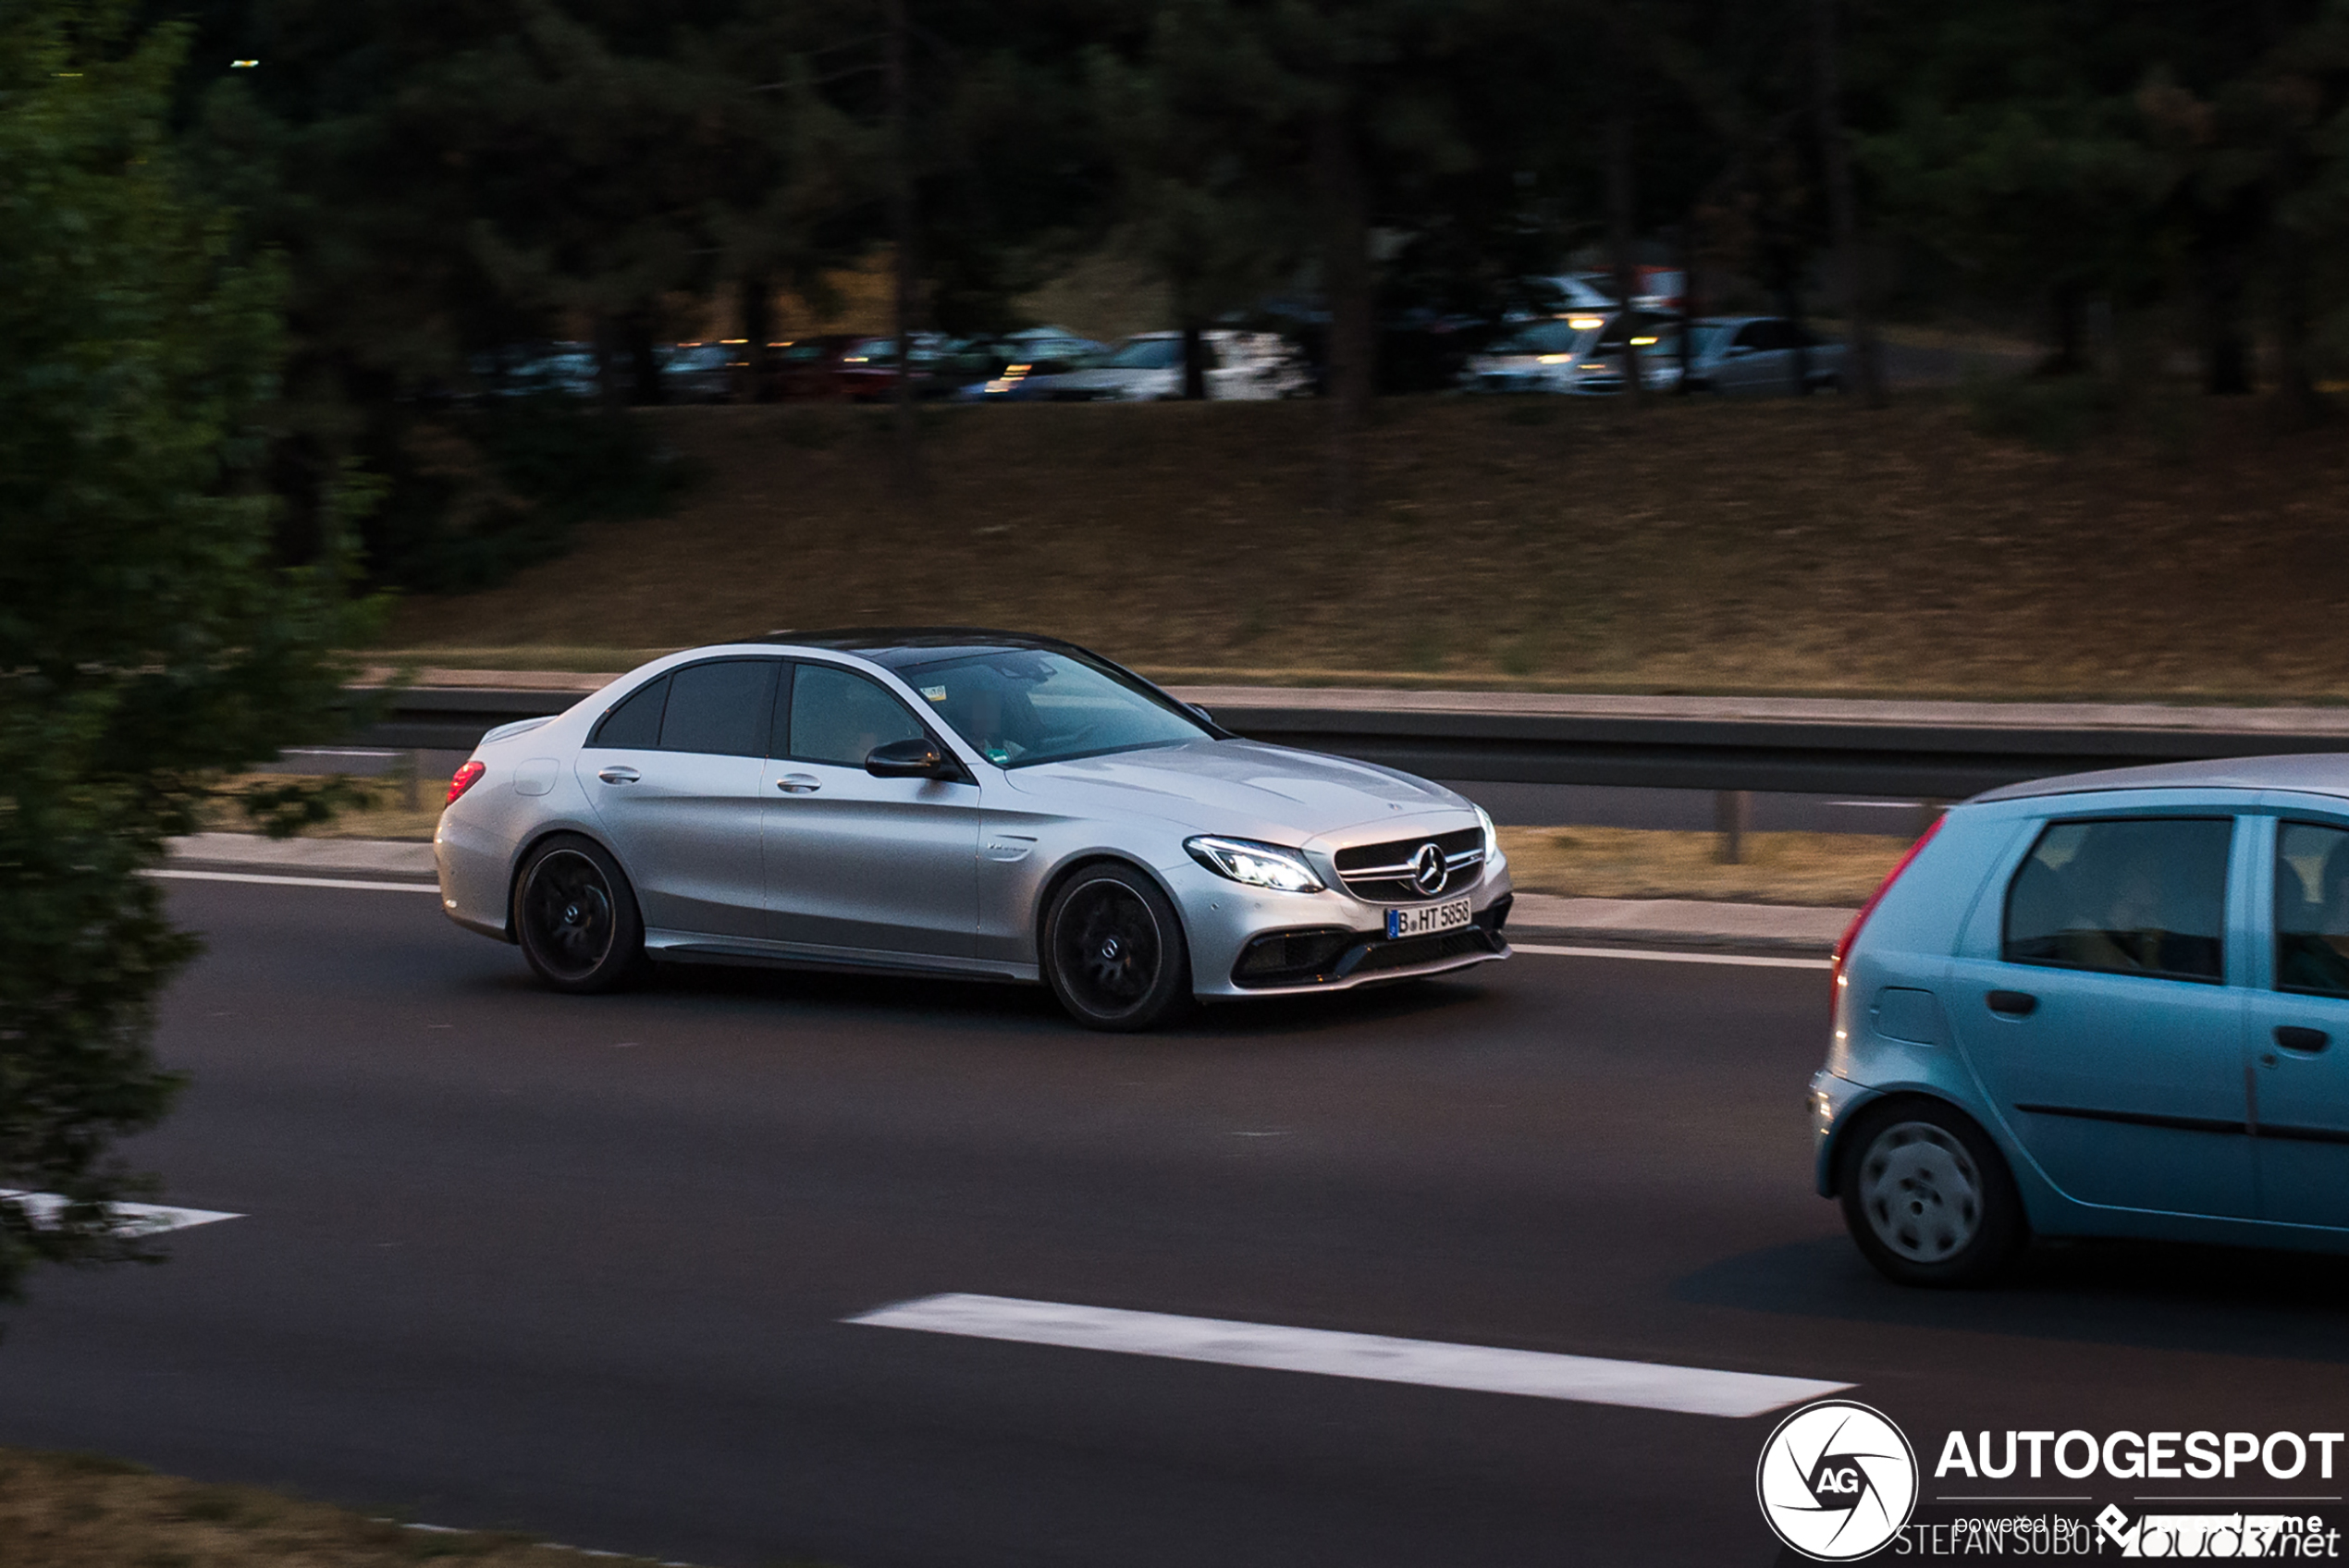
[2106, 1030]
[2299, 1024]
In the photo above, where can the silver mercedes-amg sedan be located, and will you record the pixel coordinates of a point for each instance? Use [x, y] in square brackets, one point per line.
[961, 802]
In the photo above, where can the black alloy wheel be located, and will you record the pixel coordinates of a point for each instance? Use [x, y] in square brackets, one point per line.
[576, 917]
[1114, 951]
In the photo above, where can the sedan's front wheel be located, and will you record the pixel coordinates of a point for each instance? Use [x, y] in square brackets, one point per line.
[1114, 951]
[576, 917]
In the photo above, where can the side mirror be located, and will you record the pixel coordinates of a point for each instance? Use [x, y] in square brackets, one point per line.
[909, 759]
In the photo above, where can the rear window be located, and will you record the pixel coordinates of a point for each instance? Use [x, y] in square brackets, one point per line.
[2142, 896]
[635, 724]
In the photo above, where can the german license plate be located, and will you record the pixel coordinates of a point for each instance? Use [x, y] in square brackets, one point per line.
[1427, 919]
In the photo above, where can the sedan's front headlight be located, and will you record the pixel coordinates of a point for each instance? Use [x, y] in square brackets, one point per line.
[1259, 866]
[1491, 836]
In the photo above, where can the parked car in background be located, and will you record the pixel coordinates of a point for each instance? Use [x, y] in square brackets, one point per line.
[1033, 380]
[1147, 367]
[1761, 355]
[2112, 1004]
[808, 368]
[1579, 352]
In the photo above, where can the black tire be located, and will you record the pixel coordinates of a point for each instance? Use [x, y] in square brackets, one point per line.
[1927, 1197]
[1114, 951]
[575, 917]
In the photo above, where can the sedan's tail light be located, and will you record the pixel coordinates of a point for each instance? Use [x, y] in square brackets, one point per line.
[463, 779]
[1852, 932]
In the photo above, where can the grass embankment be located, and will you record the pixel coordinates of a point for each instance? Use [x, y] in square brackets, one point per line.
[1835, 870]
[1767, 545]
[84, 1511]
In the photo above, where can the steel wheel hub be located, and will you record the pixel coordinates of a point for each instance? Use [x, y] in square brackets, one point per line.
[1921, 1192]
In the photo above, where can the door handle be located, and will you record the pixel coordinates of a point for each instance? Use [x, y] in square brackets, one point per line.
[2292, 1038]
[2013, 1004]
[799, 783]
[617, 775]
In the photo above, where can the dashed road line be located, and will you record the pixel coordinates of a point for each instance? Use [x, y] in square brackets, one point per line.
[1643, 1384]
[174, 876]
[141, 1218]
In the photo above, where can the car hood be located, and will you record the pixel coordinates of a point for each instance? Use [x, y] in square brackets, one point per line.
[1242, 788]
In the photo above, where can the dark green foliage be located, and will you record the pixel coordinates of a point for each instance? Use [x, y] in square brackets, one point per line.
[541, 464]
[146, 641]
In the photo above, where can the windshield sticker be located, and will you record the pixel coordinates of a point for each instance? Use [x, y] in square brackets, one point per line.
[935, 694]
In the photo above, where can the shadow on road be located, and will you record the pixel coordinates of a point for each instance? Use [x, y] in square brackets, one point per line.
[897, 1000]
[2150, 1296]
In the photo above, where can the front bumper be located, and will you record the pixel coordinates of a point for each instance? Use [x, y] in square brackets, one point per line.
[1250, 942]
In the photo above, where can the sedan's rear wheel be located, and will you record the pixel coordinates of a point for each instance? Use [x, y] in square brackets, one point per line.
[1927, 1197]
[1114, 951]
[576, 917]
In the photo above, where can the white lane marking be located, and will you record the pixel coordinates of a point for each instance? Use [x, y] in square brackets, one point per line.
[1752, 961]
[1645, 1385]
[141, 1218]
[297, 881]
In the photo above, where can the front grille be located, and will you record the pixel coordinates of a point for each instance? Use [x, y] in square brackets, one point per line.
[1382, 873]
[1320, 956]
[1412, 951]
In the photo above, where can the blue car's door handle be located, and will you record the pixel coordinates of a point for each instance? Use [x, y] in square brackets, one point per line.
[2292, 1038]
[2014, 1004]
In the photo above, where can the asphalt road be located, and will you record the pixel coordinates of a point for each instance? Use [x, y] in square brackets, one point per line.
[580, 1266]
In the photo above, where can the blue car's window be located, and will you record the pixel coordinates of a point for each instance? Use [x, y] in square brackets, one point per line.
[1023, 705]
[839, 716]
[2143, 896]
[635, 724]
[722, 707]
[2312, 909]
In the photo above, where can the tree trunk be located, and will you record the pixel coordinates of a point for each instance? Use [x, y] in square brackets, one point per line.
[1353, 339]
[611, 391]
[2226, 343]
[1622, 219]
[758, 382]
[1790, 307]
[907, 468]
[2068, 311]
[1690, 304]
[1860, 370]
[2302, 405]
[644, 359]
[1194, 360]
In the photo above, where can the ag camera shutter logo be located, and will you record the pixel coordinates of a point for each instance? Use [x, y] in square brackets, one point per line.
[1837, 1480]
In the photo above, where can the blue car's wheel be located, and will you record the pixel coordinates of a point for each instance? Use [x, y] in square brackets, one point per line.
[1927, 1197]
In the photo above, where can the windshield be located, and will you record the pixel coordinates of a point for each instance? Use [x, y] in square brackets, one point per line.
[1023, 705]
[1149, 353]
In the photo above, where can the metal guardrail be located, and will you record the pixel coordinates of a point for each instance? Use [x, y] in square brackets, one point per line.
[1934, 760]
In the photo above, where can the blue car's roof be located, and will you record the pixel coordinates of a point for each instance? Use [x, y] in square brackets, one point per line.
[2315, 773]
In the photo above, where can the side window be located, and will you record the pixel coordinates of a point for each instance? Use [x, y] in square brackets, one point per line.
[720, 707]
[635, 723]
[2144, 895]
[837, 716]
[1753, 335]
[2312, 909]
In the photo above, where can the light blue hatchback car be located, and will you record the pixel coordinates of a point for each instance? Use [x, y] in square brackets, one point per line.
[2113, 1004]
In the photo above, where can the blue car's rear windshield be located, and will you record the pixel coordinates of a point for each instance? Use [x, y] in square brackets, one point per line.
[1026, 705]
